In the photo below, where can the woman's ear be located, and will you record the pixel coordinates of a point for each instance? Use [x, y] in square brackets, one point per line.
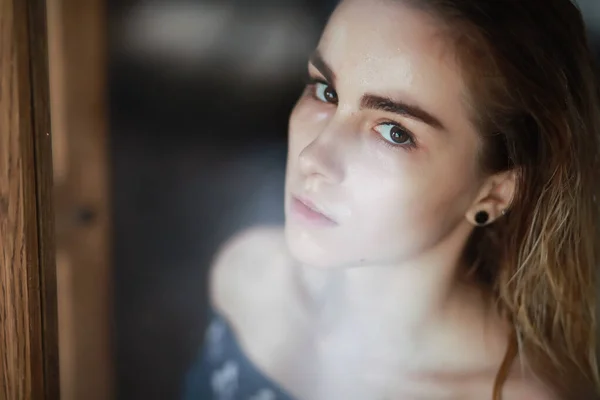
[494, 199]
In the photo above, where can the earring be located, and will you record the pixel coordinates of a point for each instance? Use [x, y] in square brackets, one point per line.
[503, 212]
[481, 218]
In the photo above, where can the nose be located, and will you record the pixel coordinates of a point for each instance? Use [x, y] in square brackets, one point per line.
[321, 161]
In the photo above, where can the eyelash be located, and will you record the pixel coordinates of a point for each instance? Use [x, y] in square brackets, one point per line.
[311, 83]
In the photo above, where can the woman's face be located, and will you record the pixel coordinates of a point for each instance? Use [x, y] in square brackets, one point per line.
[380, 142]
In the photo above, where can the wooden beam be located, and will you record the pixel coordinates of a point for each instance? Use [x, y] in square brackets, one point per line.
[28, 330]
[78, 82]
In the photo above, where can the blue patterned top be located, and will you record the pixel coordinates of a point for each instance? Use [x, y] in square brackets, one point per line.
[222, 371]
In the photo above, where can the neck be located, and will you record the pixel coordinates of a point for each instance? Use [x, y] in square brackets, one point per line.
[409, 295]
[403, 305]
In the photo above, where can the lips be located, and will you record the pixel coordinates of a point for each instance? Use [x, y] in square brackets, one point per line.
[308, 210]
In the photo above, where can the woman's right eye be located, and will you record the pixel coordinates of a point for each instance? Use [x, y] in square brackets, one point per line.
[325, 93]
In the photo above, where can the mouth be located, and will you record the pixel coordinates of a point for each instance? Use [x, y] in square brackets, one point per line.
[308, 211]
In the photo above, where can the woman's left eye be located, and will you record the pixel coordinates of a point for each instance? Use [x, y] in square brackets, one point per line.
[395, 134]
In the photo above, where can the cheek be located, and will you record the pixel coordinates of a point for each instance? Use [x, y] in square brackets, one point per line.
[384, 200]
[410, 193]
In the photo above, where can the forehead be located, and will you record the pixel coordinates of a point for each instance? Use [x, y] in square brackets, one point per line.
[387, 48]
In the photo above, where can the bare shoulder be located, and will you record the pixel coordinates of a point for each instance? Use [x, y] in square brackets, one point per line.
[244, 267]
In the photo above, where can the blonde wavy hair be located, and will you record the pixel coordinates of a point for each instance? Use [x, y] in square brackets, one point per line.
[534, 98]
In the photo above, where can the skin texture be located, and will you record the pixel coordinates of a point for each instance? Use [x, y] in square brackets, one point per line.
[371, 300]
[392, 203]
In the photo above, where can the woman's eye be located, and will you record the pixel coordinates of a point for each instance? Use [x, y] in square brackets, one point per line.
[325, 93]
[395, 134]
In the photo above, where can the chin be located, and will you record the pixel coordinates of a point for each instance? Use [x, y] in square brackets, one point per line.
[318, 247]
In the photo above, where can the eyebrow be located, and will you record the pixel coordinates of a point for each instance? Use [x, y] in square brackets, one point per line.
[374, 102]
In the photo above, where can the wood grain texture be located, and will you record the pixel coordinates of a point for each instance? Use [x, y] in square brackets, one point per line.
[28, 337]
[39, 75]
[77, 40]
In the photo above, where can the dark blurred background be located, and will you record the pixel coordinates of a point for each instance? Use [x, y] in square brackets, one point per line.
[200, 93]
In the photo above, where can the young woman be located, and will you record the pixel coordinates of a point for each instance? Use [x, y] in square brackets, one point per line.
[442, 224]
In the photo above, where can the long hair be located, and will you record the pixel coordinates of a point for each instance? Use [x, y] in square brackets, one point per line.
[534, 98]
